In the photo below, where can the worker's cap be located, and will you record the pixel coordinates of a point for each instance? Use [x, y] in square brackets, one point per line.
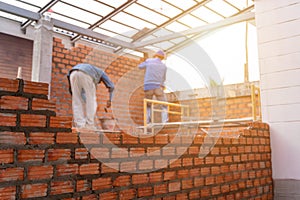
[160, 53]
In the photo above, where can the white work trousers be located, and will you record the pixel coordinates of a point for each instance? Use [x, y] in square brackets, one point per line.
[84, 100]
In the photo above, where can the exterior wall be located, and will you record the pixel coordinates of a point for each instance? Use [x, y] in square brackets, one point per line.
[43, 158]
[15, 52]
[278, 26]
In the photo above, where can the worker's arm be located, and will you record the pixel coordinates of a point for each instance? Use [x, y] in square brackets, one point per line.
[108, 84]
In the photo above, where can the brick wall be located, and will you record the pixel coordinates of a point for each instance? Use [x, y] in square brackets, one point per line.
[15, 52]
[115, 66]
[42, 158]
[230, 107]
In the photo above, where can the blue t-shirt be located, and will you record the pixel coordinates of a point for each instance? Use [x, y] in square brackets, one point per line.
[155, 74]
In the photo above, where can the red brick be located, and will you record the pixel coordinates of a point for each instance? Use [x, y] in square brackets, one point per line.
[128, 139]
[122, 181]
[145, 164]
[43, 104]
[66, 169]
[136, 152]
[30, 155]
[145, 191]
[59, 154]
[82, 185]
[195, 194]
[8, 192]
[111, 168]
[9, 85]
[89, 138]
[111, 138]
[140, 178]
[7, 156]
[60, 122]
[66, 138]
[182, 196]
[174, 186]
[127, 194]
[11, 174]
[81, 153]
[40, 172]
[187, 184]
[209, 180]
[198, 181]
[41, 138]
[102, 183]
[7, 119]
[128, 166]
[34, 190]
[35, 88]
[161, 139]
[168, 151]
[183, 173]
[61, 187]
[119, 153]
[91, 168]
[33, 120]
[155, 177]
[204, 192]
[13, 103]
[147, 140]
[12, 138]
[108, 195]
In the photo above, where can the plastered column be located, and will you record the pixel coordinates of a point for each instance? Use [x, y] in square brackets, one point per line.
[42, 52]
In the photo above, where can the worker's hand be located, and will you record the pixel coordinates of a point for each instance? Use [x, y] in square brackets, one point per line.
[108, 103]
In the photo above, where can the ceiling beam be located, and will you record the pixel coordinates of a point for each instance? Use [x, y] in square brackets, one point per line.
[90, 33]
[107, 17]
[14, 10]
[41, 11]
[205, 34]
[197, 30]
[173, 19]
[63, 25]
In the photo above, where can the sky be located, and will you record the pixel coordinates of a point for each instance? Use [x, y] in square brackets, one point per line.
[226, 49]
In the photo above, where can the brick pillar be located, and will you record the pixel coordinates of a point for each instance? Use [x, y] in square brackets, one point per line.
[42, 52]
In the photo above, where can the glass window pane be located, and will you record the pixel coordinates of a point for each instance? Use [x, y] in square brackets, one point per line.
[222, 7]
[240, 4]
[13, 17]
[76, 13]
[161, 32]
[113, 35]
[184, 5]
[70, 21]
[191, 21]
[164, 45]
[118, 28]
[146, 14]
[114, 3]
[132, 21]
[176, 27]
[22, 5]
[161, 7]
[92, 6]
[207, 15]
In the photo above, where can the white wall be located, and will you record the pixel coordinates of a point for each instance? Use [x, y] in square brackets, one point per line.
[278, 26]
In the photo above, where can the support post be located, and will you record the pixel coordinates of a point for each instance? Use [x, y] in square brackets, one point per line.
[42, 52]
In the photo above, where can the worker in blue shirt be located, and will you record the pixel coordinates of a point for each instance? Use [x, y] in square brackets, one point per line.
[155, 76]
[83, 79]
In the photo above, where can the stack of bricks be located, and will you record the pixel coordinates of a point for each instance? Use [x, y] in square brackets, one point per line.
[43, 158]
